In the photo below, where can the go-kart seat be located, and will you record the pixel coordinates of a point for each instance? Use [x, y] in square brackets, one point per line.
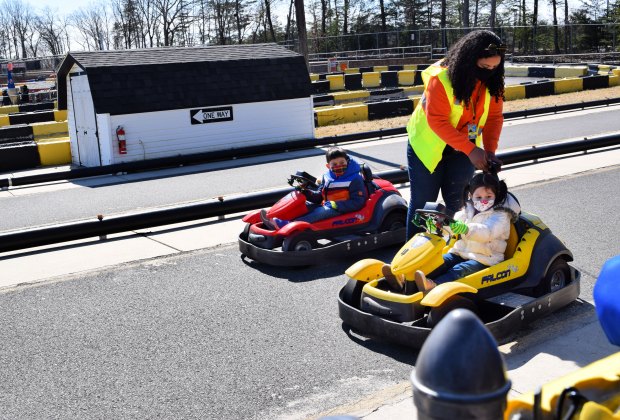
[513, 241]
[368, 178]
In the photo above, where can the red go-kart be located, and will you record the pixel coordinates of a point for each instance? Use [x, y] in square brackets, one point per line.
[381, 222]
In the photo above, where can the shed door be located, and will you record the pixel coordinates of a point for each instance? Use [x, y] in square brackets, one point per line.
[85, 122]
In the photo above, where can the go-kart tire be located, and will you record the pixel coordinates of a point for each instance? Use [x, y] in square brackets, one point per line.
[393, 221]
[556, 278]
[454, 302]
[301, 241]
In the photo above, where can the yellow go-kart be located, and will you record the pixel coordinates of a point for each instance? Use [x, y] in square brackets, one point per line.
[534, 280]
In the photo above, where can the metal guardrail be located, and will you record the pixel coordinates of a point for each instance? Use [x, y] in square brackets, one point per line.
[102, 226]
[221, 155]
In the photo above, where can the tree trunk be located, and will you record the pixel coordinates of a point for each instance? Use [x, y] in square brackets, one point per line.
[300, 16]
[566, 28]
[492, 16]
[383, 23]
[269, 21]
[534, 25]
[556, 41]
[466, 13]
[345, 17]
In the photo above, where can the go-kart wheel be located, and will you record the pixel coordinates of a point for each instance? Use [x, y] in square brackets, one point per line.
[556, 278]
[454, 302]
[393, 221]
[301, 241]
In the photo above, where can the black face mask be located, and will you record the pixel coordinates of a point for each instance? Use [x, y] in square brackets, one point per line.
[483, 74]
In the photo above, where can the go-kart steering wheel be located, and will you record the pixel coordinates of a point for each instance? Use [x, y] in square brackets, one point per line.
[440, 215]
[302, 182]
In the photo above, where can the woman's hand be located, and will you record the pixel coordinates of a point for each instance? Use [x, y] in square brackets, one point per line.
[479, 159]
[492, 158]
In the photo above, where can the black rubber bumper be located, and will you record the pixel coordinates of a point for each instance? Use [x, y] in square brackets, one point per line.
[331, 252]
[414, 334]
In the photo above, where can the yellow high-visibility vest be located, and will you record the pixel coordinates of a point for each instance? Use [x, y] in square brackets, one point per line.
[427, 145]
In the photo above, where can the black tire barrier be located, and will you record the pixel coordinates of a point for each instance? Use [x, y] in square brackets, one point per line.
[382, 94]
[323, 100]
[417, 80]
[366, 69]
[16, 133]
[353, 81]
[387, 109]
[533, 90]
[15, 240]
[320, 86]
[36, 107]
[322, 76]
[389, 79]
[21, 155]
[395, 67]
[31, 117]
[595, 82]
[541, 72]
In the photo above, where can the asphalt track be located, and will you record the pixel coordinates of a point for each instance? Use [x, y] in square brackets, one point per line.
[85, 198]
[207, 335]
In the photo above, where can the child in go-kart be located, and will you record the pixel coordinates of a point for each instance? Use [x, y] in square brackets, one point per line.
[484, 227]
[341, 190]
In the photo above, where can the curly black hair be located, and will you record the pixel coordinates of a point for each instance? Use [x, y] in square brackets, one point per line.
[461, 61]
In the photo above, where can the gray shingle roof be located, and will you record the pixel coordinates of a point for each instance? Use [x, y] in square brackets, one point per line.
[157, 79]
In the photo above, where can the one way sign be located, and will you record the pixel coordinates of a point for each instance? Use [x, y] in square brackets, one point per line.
[211, 115]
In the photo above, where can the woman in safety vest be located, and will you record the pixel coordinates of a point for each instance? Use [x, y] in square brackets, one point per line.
[463, 96]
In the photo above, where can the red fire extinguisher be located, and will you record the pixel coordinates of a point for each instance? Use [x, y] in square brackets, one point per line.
[122, 143]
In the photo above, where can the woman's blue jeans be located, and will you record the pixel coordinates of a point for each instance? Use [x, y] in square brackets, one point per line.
[451, 176]
[455, 267]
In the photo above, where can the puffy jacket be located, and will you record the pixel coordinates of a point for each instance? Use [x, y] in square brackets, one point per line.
[488, 232]
[347, 191]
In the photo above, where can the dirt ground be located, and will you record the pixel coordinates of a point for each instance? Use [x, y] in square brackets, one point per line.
[509, 106]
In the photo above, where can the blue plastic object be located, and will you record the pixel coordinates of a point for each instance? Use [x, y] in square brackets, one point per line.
[607, 299]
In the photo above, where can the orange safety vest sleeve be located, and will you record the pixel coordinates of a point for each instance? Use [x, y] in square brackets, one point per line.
[438, 117]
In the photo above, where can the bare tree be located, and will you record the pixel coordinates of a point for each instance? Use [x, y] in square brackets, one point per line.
[20, 17]
[172, 16]
[148, 16]
[52, 31]
[94, 24]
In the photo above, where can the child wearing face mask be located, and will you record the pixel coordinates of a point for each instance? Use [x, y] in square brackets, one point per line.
[484, 227]
[341, 190]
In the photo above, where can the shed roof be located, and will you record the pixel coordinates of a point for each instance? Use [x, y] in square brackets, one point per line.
[158, 79]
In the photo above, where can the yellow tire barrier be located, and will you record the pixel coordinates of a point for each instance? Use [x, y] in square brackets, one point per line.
[314, 77]
[47, 129]
[336, 81]
[54, 151]
[413, 89]
[410, 67]
[514, 92]
[350, 95]
[571, 71]
[352, 70]
[371, 79]
[516, 71]
[614, 80]
[380, 68]
[4, 120]
[567, 85]
[9, 109]
[342, 115]
[60, 115]
[406, 77]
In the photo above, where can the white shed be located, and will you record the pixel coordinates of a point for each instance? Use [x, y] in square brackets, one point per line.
[178, 101]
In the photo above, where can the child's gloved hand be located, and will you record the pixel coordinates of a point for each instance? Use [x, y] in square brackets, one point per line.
[431, 225]
[330, 205]
[459, 228]
[417, 220]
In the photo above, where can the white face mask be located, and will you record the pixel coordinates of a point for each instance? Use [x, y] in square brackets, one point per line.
[483, 205]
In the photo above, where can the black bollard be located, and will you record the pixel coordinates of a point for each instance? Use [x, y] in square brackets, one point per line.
[460, 373]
